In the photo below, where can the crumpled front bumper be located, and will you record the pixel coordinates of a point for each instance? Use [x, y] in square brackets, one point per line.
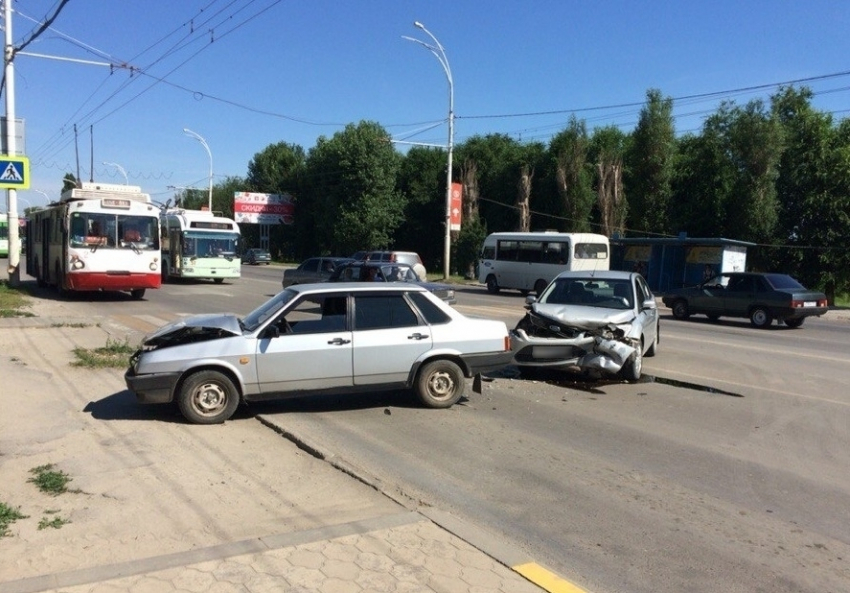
[584, 351]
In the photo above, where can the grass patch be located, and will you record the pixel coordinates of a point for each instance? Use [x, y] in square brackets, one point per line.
[115, 354]
[8, 515]
[50, 481]
[13, 301]
[56, 522]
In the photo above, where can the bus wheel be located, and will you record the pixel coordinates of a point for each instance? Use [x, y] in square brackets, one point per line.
[39, 279]
[540, 286]
[59, 288]
[137, 293]
[218, 280]
[492, 285]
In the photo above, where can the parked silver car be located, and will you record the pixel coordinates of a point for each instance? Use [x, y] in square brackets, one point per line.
[604, 321]
[315, 338]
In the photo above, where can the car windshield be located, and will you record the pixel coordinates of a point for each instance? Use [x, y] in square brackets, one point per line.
[270, 308]
[783, 281]
[590, 292]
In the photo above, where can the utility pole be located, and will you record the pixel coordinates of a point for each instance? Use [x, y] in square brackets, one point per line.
[11, 148]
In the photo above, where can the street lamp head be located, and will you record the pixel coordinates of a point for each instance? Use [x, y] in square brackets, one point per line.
[418, 25]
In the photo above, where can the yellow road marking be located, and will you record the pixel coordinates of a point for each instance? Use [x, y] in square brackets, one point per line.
[546, 579]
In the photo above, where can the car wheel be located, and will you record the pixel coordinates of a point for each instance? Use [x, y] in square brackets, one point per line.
[794, 323]
[208, 397]
[653, 348]
[713, 317]
[761, 317]
[680, 309]
[492, 285]
[632, 369]
[540, 286]
[440, 384]
[137, 293]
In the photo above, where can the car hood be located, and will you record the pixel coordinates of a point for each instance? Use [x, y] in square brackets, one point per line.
[581, 317]
[195, 328]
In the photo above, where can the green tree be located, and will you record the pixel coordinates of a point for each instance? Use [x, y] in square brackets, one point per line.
[573, 176]
[814, 193]
[353, 202]
[494, 164]
[650, 166]
[276, 169]
[422, 182]
[606, 153]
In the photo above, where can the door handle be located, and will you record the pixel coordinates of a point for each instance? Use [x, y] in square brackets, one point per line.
[339, 342]
[418, 336]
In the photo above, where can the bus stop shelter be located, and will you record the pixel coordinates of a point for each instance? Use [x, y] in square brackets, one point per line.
[670, 263]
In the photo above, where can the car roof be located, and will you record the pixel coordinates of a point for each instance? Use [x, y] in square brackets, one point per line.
[325, 287]
[598, 274]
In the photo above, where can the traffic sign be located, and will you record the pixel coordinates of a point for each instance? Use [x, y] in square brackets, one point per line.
[14, 172]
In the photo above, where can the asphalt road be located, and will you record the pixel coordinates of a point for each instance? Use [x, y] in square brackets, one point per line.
[726, 470]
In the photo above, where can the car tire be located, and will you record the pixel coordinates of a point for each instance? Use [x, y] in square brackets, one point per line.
[138, 293]
[680, 309]
[713, 317]
[492, 284]
[653, 348]
[760, 317]
[440, 384]
[632, 369]
[208, 397]
[540, 286]
[795, 323]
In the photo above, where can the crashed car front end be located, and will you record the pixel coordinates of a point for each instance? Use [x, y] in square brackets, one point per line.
[585, 338]
[156, 367]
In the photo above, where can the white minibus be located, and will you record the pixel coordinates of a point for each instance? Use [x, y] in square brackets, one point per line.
[529, 261]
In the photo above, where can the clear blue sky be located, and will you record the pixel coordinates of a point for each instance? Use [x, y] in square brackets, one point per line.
[245, 74]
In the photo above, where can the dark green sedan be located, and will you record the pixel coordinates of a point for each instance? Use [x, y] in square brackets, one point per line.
[759, 297]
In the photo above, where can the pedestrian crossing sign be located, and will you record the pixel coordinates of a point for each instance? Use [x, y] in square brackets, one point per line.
[14, 172]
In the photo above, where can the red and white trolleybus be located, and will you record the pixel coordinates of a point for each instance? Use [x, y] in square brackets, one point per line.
[98, 236]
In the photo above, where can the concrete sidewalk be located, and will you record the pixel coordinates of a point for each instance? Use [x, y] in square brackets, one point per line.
[373, 544]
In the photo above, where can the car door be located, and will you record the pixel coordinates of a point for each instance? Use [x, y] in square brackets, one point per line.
[648, 316]
[708, 298]
[739, 296]
[312, 349]
[389, 336]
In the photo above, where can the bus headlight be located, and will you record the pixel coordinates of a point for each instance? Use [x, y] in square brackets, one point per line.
[77, 263]
[153, 266]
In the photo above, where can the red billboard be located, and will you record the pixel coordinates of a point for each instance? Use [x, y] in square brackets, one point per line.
[257, 208]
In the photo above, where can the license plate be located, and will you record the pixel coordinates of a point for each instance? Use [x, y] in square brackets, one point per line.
[551, 351]
[810, 304]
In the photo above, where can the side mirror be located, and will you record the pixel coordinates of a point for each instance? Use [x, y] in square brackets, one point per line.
[649, 304]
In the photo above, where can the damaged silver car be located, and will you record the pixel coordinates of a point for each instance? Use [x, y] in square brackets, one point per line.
[603, 322]
[318, 338]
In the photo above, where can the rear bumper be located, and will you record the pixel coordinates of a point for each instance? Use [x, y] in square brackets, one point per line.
[488, 361]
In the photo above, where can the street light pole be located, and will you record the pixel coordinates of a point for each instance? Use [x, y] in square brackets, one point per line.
[203, 142]
[440, 54]
[120, 169]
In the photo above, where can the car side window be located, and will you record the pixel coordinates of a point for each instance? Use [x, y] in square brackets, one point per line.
[431, 312]
[315, 315]
[383, 311]
[311, 265]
